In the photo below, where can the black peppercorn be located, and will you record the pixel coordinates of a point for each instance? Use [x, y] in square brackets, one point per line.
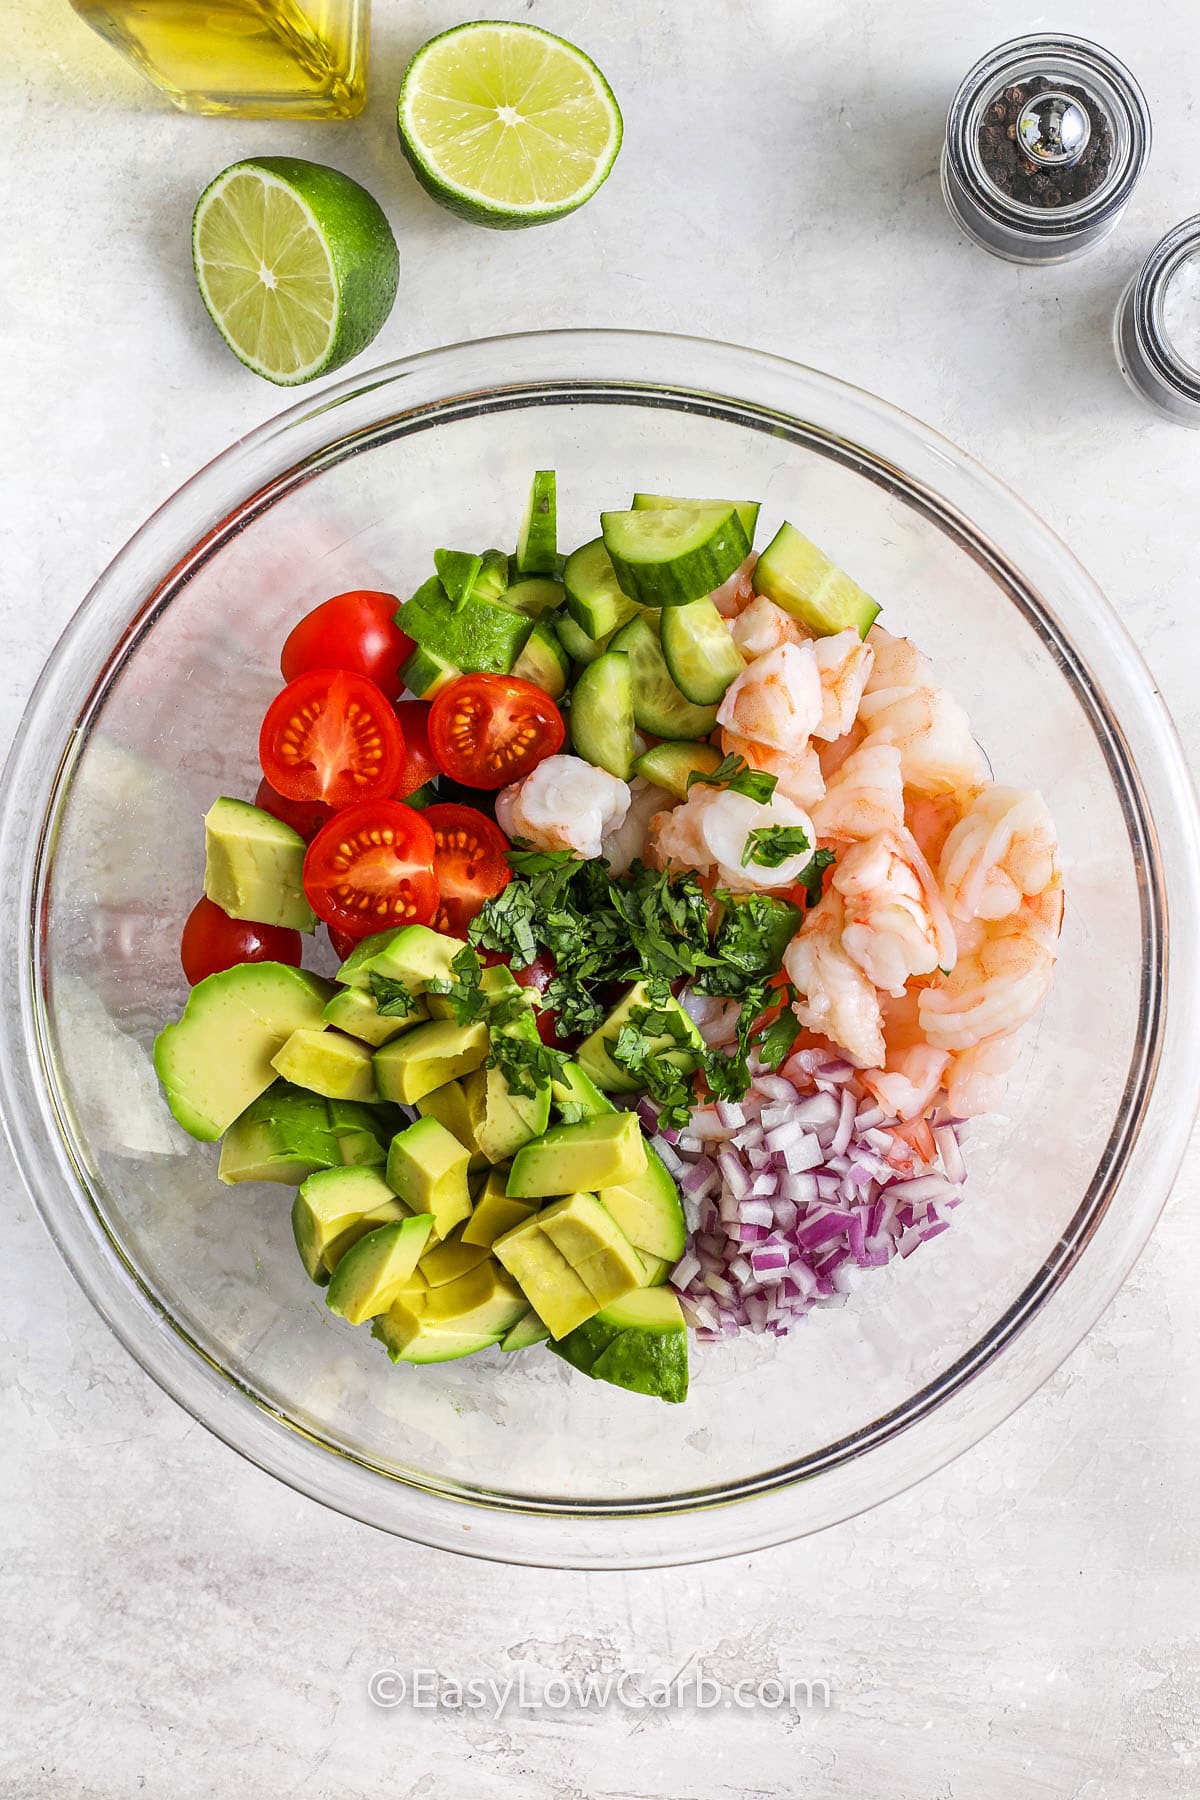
[1023, 180]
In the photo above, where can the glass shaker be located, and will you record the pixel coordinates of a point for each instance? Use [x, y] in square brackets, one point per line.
[1158, 326]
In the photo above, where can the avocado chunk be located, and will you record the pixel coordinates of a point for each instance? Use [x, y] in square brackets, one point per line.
[682, 1046]
[570, 1260]
[495, 983]
[448, 1105]
[217, 1058]
[329, 1206]
[502, 1120]
[527, 1331]
[603, 1152]
[357, 1012]
[254, 866]
[494, 1213]
[407, 1338]
[327, 1062]
[560, 1296]
[482, 1300]
[576, 1096]
[446, 1261]
[429, 1056]
[481, 635]
[427, 1167]
[638, 1342]
[374, 1272]
[411, 954]
[648, 1210]
[286, 1135]
[803, 581]
[657, 1269]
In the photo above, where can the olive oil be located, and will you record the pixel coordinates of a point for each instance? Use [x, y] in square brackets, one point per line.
[299, 59]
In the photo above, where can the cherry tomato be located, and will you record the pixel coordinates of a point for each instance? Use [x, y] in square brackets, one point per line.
[356, 631]
[213, 941]
[304, 816]
[331, 736]
[344, 941]
[538, 974]
[371, 868]
[471, 863]
[419, 763]
[488, 730]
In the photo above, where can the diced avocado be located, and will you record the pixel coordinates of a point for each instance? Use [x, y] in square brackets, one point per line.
[480, 636]
[288, 1134]
[801, 579]
[446, 1261]
[495, 983]
[372, 1274]
[657, 1269]
[426, 673]
[595, 1153]
[390, 1213]
[638, 1342]
[407, 1338]
[494, 1212]
[648, 1210]
[502, 1120]
[594, 1245]
[576, 1096]
[683, 1050]
[413, 954]
[217, 1058]
[458, 571]
[327, 1062]
[560, 1296]
[427, 1167]
[327, 1205]
[448, 1105]
[254, 866]
[428, 1057]
[543, 660]
[527, 1331]
[484, 1299]
[354, 1010]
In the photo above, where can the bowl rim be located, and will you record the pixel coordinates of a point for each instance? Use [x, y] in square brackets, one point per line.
[617, 1534]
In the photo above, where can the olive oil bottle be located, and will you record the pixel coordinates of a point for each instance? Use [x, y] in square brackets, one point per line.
[298, 59]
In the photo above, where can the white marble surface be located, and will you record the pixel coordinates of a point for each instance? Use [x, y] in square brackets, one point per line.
[1026, 1624]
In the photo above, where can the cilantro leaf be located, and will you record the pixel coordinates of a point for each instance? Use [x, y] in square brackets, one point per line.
[734, 773]
[392, 997]
[770, 845]
[812, 872]
[463, 988]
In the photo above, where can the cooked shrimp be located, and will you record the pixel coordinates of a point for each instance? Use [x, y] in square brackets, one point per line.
[764, 626]
[931, 818]
[903, 705]
[976, 1078]
[1003, 975]
[777, 700]
[1002, 850]
[832, 756]
[626, 842]
[710, 832]
[736, 594]
[844, 664]
[864, 797]
[797, 773]
[909, 1085]
[896, 925]
[836, 998]
[564, 804]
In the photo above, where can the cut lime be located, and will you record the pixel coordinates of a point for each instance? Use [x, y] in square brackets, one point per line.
[296, 264]
[507, 125]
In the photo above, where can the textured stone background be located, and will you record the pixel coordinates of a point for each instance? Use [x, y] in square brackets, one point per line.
[1027, 1623]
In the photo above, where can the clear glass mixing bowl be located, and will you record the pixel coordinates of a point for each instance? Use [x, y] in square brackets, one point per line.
[149, 708]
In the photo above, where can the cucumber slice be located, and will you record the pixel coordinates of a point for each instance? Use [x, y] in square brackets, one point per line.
[699, 651]
[747, 510]
[458, 571]
[537, 545]
[492, 579]
[658, 705]
[426, 673]
[602, 722]
[667, 557]
[544, 661]
[669, 765]
[595, 599]
[578, 645]
[534, 595]
[801, 579]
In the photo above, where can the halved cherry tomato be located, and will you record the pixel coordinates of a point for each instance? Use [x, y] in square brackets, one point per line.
[488, 730]
[371, 869]
[355, 631]
[332, 736]
[420, 765]
[471, 862]
[344, 941]
[213, 941]
[304, 816]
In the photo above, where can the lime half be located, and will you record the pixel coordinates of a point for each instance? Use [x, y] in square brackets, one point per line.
[507, 125]
[296, 264]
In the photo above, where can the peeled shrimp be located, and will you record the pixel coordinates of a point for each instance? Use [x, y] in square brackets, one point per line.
[865, 796]
[909, 1085]
[896, 925]
[836, 998]
[1003, 975]
[797, 772]
[1002, 849]
[931, 818]
[764, 626]
[844, 665]
[626, 842]
[777, 700]
[976, 1078]
[903, 705]
[710, 830]
[564, 804]
[736, 594]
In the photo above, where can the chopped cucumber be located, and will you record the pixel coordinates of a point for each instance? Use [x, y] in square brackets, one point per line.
[747, 510]
[426, 673]
[669, 765]
[492, 578]
[699, 651]
[458, 571]
[658, 705]
[801, 579]
[544, 661]
[537, 545]
[481, 636]
[667, 557]
[595, 599]
[578, 645]
[534, 595]
[602, 721]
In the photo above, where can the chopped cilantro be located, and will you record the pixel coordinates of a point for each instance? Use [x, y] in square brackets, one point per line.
[734, 773]
[812, 872]
[391, 996]
[463, 989]
[770, 845]
[526, 1064]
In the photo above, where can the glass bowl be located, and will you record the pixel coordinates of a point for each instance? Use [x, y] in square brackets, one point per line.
[149, 708]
